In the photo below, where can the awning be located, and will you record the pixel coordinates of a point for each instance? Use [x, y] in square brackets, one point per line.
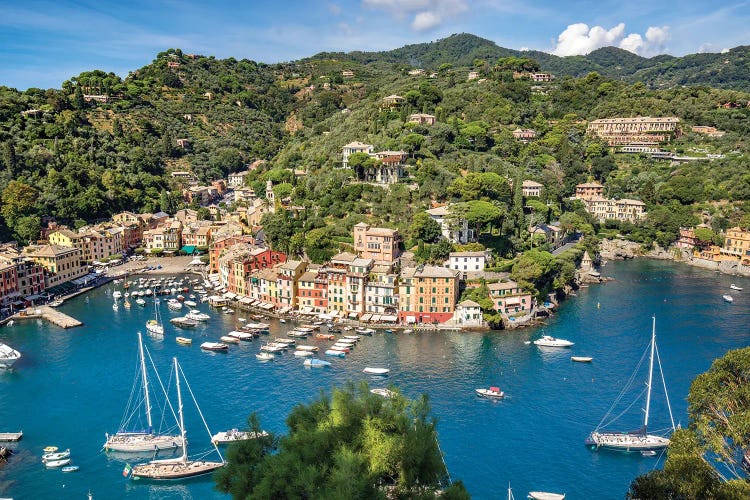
[246, 300]
[375, 318]
[196, 262]
[353, 315]
[325, 316]
[366, 317]
[230, 295]
[284, 310]
[33, 297]
[411, 319]
[268, 306]
[188, 249]
[389, 318]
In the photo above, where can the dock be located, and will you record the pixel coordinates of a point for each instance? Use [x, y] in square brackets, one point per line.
[11, 436]
[50, 314]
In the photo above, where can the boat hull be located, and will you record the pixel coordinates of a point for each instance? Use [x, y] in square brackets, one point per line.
[135, 443]
[170, 472]
[626, 442]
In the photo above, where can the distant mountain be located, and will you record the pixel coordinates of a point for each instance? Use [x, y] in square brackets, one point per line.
[728, 70]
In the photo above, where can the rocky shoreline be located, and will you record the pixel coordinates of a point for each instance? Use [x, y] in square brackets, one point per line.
[619, 249]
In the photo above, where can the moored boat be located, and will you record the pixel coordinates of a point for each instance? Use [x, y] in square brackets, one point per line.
[727, 298]
[184, 340]
[333, 352]
[581, 359]
[245, 336]
[8, 356]
[386, 393]
[70, 468]
[324, 336]
[228, 339]
[548, 341]
[233, 435]
[302, 354]
[491, 393]
[183, 322]
[214, 346]
[265, 356]
[376, 371]
[56, 455]
[543, 495]
[316, 363]
[735, 287]
[57, 463]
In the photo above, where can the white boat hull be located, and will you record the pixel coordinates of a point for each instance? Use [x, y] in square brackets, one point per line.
[626, 442]
[134, 442]
[171, 471]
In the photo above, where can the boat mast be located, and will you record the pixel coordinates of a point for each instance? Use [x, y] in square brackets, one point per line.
[179, 410]
[145, 383]
[650, 373]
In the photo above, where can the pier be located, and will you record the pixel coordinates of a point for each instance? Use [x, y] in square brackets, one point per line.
[11, 436]
[50, 314]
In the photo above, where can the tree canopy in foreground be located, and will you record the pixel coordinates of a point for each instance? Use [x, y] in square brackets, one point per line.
[719, 411]
[350, 444]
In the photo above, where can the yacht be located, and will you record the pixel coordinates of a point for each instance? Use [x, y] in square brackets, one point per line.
[735, 287]
[491, 393]
[547, 341]
[728, 298]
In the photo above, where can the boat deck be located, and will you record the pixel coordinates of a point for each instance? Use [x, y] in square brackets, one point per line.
[176, 470]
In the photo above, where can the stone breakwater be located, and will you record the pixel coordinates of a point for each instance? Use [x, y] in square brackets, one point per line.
[618, 249]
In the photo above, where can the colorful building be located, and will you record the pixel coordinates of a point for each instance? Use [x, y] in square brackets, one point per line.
[427, 294]
[376, 243]
[509, 298]
[61, 264]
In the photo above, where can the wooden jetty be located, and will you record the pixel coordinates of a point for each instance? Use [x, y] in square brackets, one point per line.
[11, 436]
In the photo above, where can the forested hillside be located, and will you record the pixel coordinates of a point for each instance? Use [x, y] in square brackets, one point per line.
[79, 161]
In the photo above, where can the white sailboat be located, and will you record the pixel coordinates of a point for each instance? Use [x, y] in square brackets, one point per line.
[155, 325]
[142, 440]
[639, 440]
[180, 467]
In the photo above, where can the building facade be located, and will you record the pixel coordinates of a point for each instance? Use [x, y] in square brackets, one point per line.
[427, 294]
[642, 130]
[376, 243]
[509, 298]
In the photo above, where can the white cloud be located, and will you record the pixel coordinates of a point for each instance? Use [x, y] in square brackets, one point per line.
[725, 50]
[579, 39]
[424, 14]
[334, 9]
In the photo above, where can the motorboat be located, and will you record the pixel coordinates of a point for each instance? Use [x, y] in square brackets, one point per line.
[543, 495]
[365, 331]
[735, 287]
[174, 304]
[316, 363]
[310, 348]
[245, 336]
[581, 359]
[197, 315]
[70, 468]
[214, 346]
[333, 352]
[352, 337]
[116, 294]
[282, 320]
[376, 371]
[265, 356]
[547, 341]
[324, 336]
[338, 347]
[233, 435]
[271, 348]
[491, 393]
[140, 302]
[303, 354]
[56, 455]
[190, 303]
[184, 340]
[134, 440]
[8, 356]
[281, 340]
[184, 322]
[728, 298]
[227, 339]
[386, 393]
[408, 330]
[57, 463]
[297, 333]
[179, 467]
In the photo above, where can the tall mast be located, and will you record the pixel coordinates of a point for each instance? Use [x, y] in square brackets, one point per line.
[179, 410]
[650, 372]
[145, 383]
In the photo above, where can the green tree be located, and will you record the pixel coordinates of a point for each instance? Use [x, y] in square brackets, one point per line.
[424, 228]
[18, 200]
[351, 444]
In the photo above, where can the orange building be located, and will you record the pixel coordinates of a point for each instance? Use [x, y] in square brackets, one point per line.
[589, 190]
[376, 243]
[427, 294]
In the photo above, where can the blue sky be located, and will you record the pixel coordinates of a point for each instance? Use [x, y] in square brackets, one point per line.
[44, 42]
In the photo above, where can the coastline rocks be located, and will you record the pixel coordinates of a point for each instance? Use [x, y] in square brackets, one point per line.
[618, 249]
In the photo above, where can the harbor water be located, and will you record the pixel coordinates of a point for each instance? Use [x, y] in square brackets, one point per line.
[71, 386]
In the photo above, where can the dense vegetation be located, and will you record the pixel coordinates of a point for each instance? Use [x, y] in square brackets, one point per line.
[719, 411]
[350, 445]
[80, 161]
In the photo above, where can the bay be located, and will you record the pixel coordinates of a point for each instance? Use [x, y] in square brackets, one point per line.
[71, 386]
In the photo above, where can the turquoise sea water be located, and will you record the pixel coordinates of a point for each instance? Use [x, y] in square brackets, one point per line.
[71, 386]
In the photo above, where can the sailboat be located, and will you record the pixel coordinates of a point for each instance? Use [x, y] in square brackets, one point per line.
[155, 326]
[180, 467]
[145, 440]
[639, 440]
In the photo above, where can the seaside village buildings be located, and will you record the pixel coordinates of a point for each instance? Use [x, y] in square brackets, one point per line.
[591, 194]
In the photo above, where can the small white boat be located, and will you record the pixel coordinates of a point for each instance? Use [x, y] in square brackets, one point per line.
[57, 463]
[408, 330]
[310, 348]
[140, 302]
[581, 359]
[184, 322]
[116, 294]
[70, 468]
[265, 356]
[547, 341]
[376, 371]
[351, 337]
[648, 453]
[282, 320]
[386, 393]
[197, 315]
[271, 348]
[303, 354]
[728, 298]
[11, 323]
[247, 337]
[316, 363]
[8, 356]
[491, 393]
[115, 307]
[228, 311]
[543, 495]
[55, 455]
[184, 340]
[214, 346]
[338, 347]
[228, 339]
[333, 352]
[233, 435]
[174, 304]
[735, 287]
